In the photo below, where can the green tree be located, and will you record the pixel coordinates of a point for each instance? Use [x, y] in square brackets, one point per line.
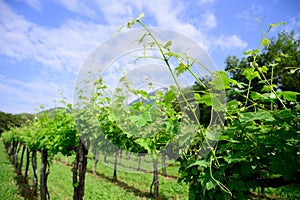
[52, 132]
[8, 120]
[259, 145]
[281, 54]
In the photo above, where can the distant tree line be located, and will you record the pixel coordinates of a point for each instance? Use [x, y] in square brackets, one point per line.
[8, 120]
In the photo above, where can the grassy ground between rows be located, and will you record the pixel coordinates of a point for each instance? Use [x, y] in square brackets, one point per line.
[101, 186]
[8, 178]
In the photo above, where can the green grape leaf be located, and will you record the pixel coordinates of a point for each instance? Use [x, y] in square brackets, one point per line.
[210, 185]
[250, 74]
[169, 97]
[142, 119]
[211, 136]
[277, 24]
[168, 44]
[197, 97]
[263, 116]
[263, 69]
[246, 117]
[146, 143]
[143, 93]
[288, 95]
[268, 88]
[180, 69]
[201, 163]
[251, 52]
[232, 106]
[205, 99]
[221, 81]
[265, 42]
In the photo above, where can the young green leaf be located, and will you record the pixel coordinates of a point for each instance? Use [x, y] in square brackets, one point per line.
[201, 163]
[289, 95]
[210, 185]
[268, 88]
[221, 81]
[168, 44]
[265, 42]
[180, 68]
[250, 74]
[146, 143]
[169, 97]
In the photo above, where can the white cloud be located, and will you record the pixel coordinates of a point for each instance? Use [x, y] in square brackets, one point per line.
[210, 19]
[230, 42]
[203, 2]
[253, 12]
[169, 14]
[79, 7]
[293, 24]
[26, 96]
[257, 8]
[35, 4]
[62, 50]
[118, 11]
[244, 15]
[66, 47]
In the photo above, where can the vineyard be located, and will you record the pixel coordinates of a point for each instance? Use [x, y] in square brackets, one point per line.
[245, 143]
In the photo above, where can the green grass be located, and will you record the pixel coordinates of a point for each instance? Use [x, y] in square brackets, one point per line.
[101, 186]
[8, 178]
[60, 185]
[291, 192]
[131, 164]
[137, 184]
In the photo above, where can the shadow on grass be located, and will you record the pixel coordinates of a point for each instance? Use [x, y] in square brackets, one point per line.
[25, 190]
[145, 171]
[24, 187]
[128, 188]
[125, 186]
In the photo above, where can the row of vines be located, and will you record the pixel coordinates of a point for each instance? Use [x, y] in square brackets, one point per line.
[53, 132]
[251, 142]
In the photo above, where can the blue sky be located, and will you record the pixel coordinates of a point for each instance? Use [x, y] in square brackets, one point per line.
[44, 43]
